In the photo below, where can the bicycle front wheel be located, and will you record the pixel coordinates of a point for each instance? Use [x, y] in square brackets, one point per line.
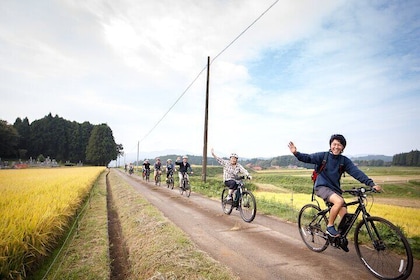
[182, 188]
[226, 206]
[248, 206]
[188, 189]
[312, 228]
[383, 249]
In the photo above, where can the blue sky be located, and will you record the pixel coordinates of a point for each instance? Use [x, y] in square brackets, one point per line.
[303, 71]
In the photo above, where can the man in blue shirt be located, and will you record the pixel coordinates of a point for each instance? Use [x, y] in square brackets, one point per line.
[327, 184]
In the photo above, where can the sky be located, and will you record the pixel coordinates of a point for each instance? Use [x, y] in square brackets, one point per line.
[280, 71]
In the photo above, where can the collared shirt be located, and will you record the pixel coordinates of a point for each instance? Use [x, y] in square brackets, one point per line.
[230, 172]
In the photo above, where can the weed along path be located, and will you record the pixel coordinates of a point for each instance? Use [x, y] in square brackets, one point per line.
[267, 248]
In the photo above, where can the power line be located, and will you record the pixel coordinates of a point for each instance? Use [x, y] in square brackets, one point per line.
[204, 68]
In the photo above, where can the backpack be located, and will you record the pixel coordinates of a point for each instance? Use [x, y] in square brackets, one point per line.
[318, 169]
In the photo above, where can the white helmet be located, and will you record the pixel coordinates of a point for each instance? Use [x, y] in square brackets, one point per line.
[185, 157]
[234, 155]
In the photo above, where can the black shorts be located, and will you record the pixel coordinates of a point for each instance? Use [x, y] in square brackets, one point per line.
[231, 184]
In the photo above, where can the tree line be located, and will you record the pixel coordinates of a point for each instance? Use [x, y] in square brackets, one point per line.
[404, 159]
[59, 139]
[407, 159]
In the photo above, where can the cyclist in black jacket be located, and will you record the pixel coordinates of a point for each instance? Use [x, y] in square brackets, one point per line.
[184, 167]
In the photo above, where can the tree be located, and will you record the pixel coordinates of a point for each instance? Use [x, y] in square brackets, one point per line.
[101, 149]
[9, 139]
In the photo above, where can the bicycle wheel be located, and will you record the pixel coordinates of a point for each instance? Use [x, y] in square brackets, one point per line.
[248, 206]
[312, 228]
[387, 254]
[227, 207]
[182, 187]
[187, 189]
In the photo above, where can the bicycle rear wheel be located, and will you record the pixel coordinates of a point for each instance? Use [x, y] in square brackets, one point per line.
[248, 207]
[227, 207]
[387, 254]
[312, 228]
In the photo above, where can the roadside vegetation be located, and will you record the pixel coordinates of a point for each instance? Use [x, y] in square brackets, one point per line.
[36, 209]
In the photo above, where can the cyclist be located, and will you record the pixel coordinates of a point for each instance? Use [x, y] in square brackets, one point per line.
[327, 185]
[146, 167]
[157, 168]
[184, 167]
[170, 168]
[231, 170]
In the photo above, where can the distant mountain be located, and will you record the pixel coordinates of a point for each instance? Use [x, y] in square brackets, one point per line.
[372, 157]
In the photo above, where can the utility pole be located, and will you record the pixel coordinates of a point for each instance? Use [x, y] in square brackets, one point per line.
[137, 163]
[206, 123]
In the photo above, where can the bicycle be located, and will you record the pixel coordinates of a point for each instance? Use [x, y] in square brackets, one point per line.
[146, 175]
[170, 181]
[244, 201]
[380, 245]
[157, 177]
[185, 186]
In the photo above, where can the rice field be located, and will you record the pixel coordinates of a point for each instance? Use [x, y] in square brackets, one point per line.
[36, 207]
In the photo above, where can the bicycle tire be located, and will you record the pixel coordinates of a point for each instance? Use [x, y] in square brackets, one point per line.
[227, 208]
[312, 228]
[171, 183]
[181, 188]
[248, 206]
[389, 256]
[188, 189]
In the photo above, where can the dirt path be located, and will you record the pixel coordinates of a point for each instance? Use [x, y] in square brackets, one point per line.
[267, 248]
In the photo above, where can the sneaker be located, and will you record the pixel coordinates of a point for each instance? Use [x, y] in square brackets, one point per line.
[229, 197]
[332, 231]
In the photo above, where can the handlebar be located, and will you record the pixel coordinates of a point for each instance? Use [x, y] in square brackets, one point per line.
[242, 177]
[361, 191]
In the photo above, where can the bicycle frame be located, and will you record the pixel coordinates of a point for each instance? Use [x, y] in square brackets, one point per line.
[184, 181]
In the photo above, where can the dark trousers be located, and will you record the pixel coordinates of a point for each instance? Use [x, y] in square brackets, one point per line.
[231, 184]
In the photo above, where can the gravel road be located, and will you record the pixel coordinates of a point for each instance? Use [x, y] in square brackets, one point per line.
[267, 248]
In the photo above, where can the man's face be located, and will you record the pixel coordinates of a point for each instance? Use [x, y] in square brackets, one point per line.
[184, 159]
[336, 147]
[233, 160]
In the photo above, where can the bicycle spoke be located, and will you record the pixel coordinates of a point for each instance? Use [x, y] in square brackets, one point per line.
[312, 228]
[248, 206]
[383, 249]
[227, 208]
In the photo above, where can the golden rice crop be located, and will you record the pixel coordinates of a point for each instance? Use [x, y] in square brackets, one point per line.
[406, 217]
[36, 207]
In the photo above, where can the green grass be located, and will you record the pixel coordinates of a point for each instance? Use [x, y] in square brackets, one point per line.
[85, 254]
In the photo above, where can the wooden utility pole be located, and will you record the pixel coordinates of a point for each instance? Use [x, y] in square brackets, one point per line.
[206, 123]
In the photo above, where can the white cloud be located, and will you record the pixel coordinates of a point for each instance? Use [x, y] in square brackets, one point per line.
[303, 71]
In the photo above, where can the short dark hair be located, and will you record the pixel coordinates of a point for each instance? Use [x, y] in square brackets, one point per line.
[340, 138]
